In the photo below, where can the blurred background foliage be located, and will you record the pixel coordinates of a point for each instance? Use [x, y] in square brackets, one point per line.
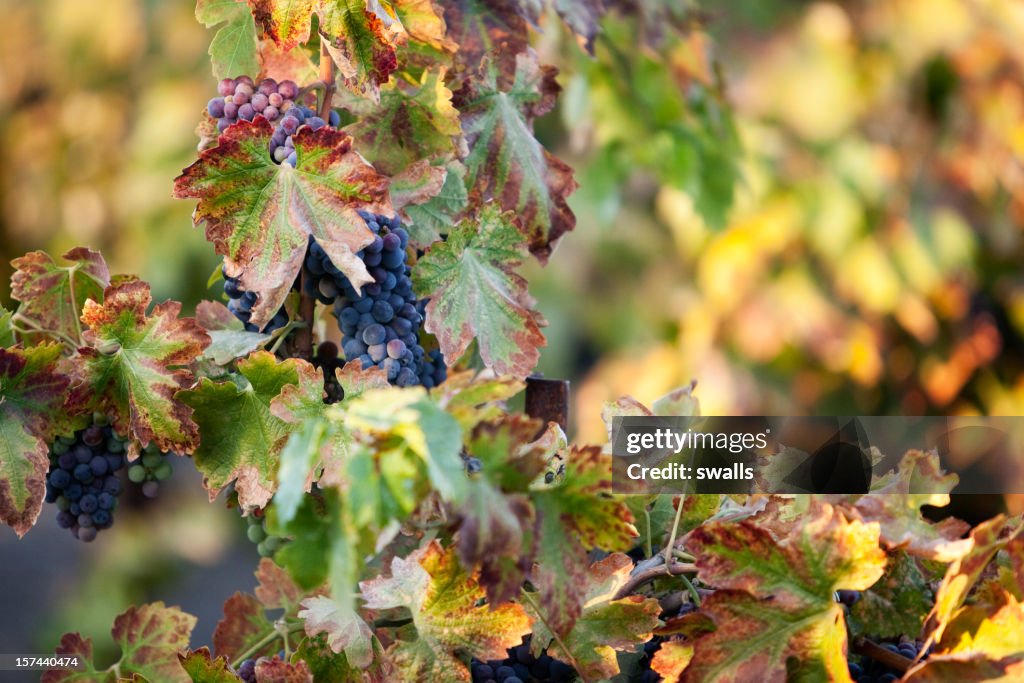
[808, 207]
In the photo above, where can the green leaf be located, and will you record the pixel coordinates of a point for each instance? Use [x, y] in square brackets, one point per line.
[448, 613]
[234, 50]
[774, 607]
[6, 331]
[604, 626]
[573, 517]
[435, 217]
[32, 391]
[135, 362]
[52, 296]
[412, 123]
[897, 603]
[476, 295]
[201, 667]
[506, 163]
[360, 43]
[328, 666]
[260, 214]
[344, 629]
[73, 644]
[242, 440]
[227, 345]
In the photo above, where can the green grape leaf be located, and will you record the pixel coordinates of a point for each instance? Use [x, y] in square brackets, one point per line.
[32, 392]
[447, 612]
[774, 603]
[276, 670]
[260, 214]
[6, 330]
[574, 516]
[52, 296]
[234, 50]
[604, 626]
[243, 625]
[201, 667]
[417, 184]
[411, 123]
[476, 295]
[986, 539]
[895, 503]
[472, 398]
[345, 630]
[330, 667]
[73, 644]
[898, 603]
[494, 535]
[242, 439]
[227, 345]
[506, 163]
[135, 362]
[434, 217]
[150, 637]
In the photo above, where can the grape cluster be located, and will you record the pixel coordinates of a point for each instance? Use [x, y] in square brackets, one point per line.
[379, 325]
[266, 544]
[242, 99]
[240, 303]
[522, 667]
[82, 481]
[150, 469]
[867, 670]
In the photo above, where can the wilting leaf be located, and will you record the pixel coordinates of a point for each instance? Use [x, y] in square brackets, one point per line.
[52, 296]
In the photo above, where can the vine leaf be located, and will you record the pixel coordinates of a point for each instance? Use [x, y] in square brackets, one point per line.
[149, 637]
[671, 659]
[234, 49]
[276, 670]
[52, 296]
[417, 184]
[476, 295]
[260, 215]
[495, 30]
[6, 331]
[344, 628]
[327, 665]
[32, 392]
[433, 218]
[286, 65]
[572, 517]
[228, 338]
[968, 669]
[506, 163]
[424, 22]
[895, 503]
[201, 667]
[472, 398]
[447, 613]
[135, 362]
[242, 626]
[775, 600]
[411, 123]
[898, 603]
[605, 625]
[242, 439]
[986, 539]
[582, 16]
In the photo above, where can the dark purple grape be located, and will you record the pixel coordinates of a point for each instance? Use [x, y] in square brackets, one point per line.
[215, 107]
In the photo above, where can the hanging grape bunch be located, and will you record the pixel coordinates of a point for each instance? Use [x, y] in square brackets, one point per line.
[240, 303]
[83, 482]
[150, 469]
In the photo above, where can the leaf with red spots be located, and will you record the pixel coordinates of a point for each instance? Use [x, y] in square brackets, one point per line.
[475, 294]
[774, 604]
[32, 392]
[260, 214]
[506, 163]
[574, 516]
[52, 296]
[447, 613]
[276, 670]
[74, 645]
[605, 625]
[135, 361]
[201, 667]
[242, 439]
[496, 30]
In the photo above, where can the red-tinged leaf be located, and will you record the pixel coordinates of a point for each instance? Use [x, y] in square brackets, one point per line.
[135, 362]
[1011, 571]
[573, 517]
[285, 65]
[201, 667]
[671, 659]
[344, 629]
[361, 43]
[411, 123]
[582, 16]
[417, 184]
[32, 392]
[242, 439]
[506, 163]
[214, 316]
[604, 626]
[150, 637]
[476, 295]
[447, 613]
[774, 612]
[233, 50]
[52, 296]
[472, 398]
[993, 626]
[260, 214]
[895, 503]
[276, 590]
[986, 539]
[74, 645]
[424, 21]
[898, 603]
[494, 533]
[242, 626]
[276, 670]
[497, 31]
[967, 669]
[287, 22]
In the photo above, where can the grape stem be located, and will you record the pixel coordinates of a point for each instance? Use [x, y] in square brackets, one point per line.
[863, 646]
[653, 573]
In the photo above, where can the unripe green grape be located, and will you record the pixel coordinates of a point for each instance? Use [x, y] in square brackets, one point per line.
[264, 549]
[163, 471]
[59, 447]
[62, 503]
[115, 445]
[151, 460]
[256, 533]
[137, 474]
[274, 543]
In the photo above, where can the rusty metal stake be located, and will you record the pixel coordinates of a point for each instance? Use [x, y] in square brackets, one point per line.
[548, 400]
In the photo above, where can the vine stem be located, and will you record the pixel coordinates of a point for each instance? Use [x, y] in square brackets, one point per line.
[675, 530]
[554, 634]
[268, 639]
[653, 573]
[863, 646]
